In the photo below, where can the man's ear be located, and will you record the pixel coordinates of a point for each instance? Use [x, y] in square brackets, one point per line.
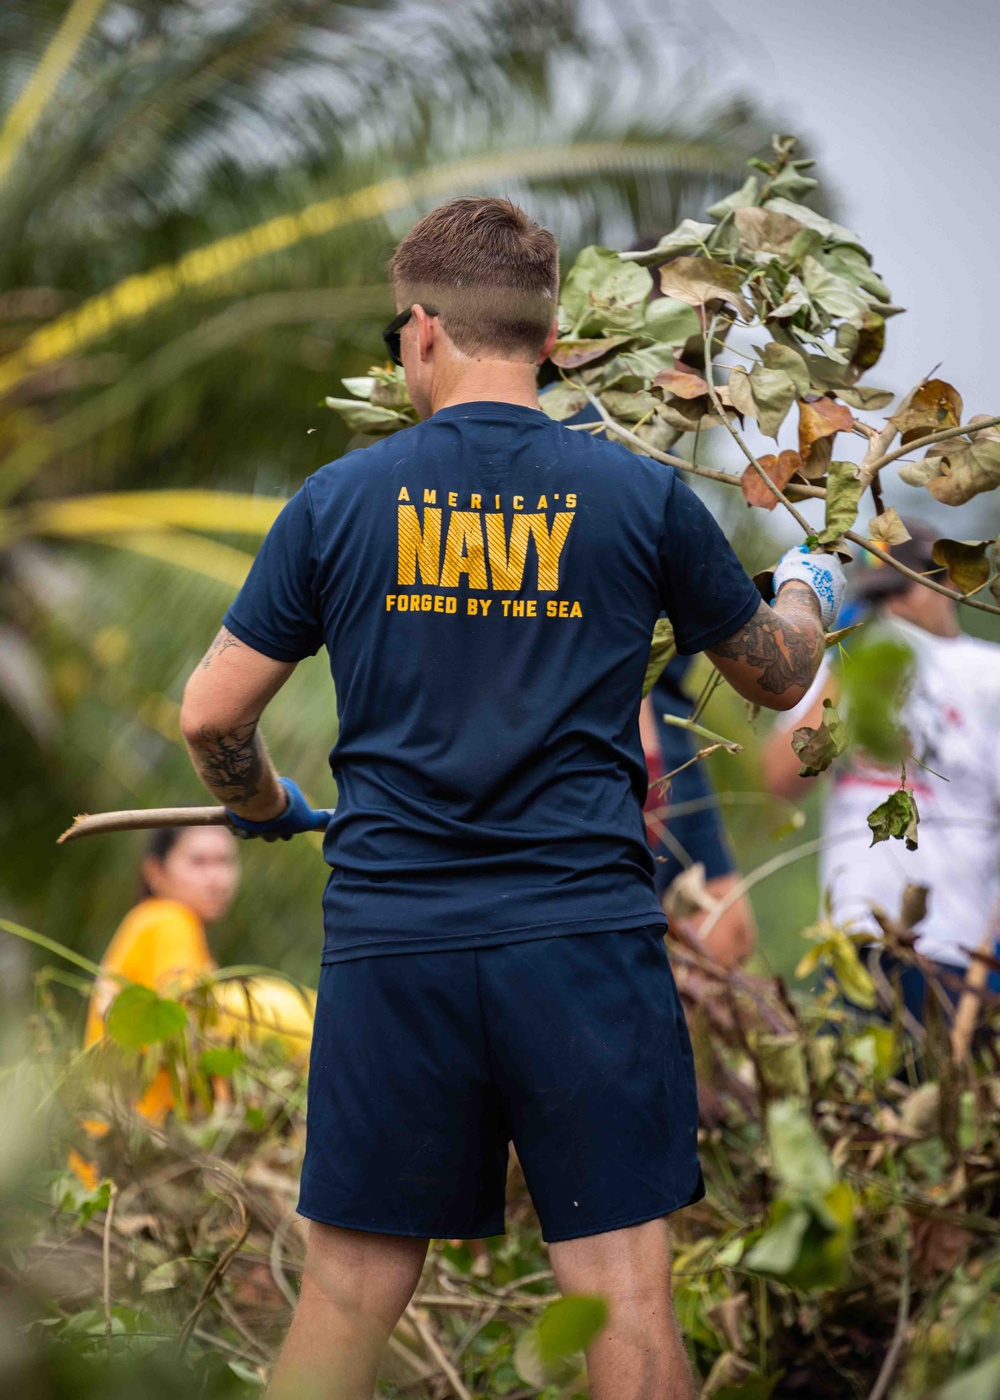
[550, 340]
[426, 330]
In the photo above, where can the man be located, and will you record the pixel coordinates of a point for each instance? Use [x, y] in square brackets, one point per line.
[952, 699]
[486, 584]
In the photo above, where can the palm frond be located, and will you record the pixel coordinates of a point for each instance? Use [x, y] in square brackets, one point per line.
[38, 91]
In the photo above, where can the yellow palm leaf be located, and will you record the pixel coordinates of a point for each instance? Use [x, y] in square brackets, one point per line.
[109, 512]
[206, 557]
[37, 91]
[138, 295]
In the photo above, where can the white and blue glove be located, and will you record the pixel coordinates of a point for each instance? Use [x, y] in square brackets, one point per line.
[821, 572]
[297, 817]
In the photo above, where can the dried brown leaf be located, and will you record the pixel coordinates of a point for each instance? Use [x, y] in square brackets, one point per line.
[699, 281]
[933, 405]
[780, 469]
[683, 383]
[819, 422]
[966, 562]
[887, 528]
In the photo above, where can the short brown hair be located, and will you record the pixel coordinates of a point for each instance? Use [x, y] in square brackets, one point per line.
[489, 270]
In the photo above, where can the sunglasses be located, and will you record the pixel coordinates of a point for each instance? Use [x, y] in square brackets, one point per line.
[391, 333]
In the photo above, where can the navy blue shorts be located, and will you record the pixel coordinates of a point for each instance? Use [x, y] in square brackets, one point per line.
[426, 1066]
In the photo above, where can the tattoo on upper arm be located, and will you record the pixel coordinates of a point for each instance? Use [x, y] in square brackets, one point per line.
[223, 642]
[230, 762]
[785, 644]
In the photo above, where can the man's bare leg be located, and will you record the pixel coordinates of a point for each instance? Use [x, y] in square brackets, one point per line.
[640, 1354]
[355, 1287]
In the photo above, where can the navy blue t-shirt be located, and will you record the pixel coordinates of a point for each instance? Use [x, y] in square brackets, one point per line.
[486, 585]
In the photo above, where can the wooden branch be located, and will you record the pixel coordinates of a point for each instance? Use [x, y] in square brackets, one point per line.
[106, 1267]
[142, 819]
[437, 1352]
[729, 479]
[928, 441]
[967, 1012]
[930, 583]
[737, 437]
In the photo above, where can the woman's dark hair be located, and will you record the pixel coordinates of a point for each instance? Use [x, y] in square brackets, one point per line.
[161, 842]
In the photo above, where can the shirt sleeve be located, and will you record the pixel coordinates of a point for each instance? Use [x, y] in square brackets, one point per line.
[276, 610]
[705, 591]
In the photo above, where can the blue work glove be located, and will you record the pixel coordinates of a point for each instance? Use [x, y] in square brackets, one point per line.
[821, 572]
[298, 816]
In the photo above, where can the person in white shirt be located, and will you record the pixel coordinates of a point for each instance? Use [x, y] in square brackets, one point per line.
[949, 711]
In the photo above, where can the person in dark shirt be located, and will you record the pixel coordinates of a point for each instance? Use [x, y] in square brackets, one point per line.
[684, 824]
[486, 585]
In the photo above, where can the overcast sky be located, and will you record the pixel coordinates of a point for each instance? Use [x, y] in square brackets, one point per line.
[901, 105]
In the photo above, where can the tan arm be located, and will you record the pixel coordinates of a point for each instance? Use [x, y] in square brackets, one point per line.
[773, 659]
[223, 702]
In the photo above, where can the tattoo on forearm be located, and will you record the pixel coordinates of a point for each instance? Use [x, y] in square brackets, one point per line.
[223, 642]
[784, 643]
[230, 763]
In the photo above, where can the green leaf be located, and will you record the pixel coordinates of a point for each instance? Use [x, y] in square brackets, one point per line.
[795, 299]
[545, 1352]
[790, 184]
[221, 1062]
[834, 233]
[783, 357]
[778, 1247]
[843, 493]
[799, 1160]
[688, 234]
[739, 199]
[982, 1382]
[832, 294]
[699, 281]
[569, 1325]
[629, 407]
[361, 387]
[363, 417]
[601, 292]
[671, 321]
[853, 265]
[876, 676]
[852, 976]
[817, 748]
[897, 816]
[86, 1204]
[138, 1017]
[662, 649]
[630, 370]
[865, 396]
[765, 394]
[562, 401]
[164, 1277]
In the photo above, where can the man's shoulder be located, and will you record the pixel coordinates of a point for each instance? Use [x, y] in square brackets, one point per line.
[603, 452]
[373, 457]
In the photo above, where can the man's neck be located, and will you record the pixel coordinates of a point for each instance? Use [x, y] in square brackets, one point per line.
[493, 381]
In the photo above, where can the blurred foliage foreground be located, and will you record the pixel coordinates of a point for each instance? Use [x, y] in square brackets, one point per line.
[849, 1243]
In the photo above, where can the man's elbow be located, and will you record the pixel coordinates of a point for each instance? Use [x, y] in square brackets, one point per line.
[788, 699]
[195, 716]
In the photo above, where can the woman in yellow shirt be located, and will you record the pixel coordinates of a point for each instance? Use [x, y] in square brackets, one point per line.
[189, 878]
